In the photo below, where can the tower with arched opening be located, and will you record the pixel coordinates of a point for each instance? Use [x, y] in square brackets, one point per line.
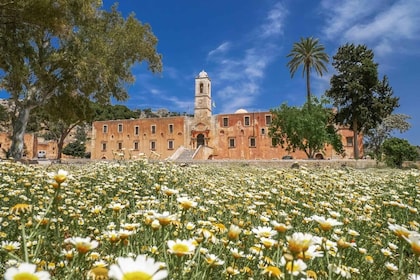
[200, 133]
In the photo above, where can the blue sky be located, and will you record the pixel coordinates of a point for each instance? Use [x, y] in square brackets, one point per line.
[242, 45]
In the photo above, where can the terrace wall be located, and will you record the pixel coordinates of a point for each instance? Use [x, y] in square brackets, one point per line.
[334, 163]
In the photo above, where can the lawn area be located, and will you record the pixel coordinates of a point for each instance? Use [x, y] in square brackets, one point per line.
[141, 220]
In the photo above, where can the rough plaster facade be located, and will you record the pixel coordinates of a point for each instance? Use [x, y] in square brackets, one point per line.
[29, 140]
[240, 135]
[33, 144]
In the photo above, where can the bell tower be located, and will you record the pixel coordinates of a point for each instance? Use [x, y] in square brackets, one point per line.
[202, 105]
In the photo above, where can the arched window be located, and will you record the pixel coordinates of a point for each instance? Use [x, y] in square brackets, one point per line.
[201, 87]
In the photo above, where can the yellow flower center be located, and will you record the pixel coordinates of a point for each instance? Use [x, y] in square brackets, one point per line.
[325, 226]
[312, 274]
[83, 248]
[369, 259]
[186, 205]
[137, 275]
[233, 234]
[9, 247]
[25, 276]
[164, 221]
[129, 227]
[265, 234]
[281, 228]
[60, 178]
[415, 246]
[293, 267]
[169, 192]
[114, 238]
[268, 243]
[180, 249]
[343, 244]
[99, 271]
[296, 247]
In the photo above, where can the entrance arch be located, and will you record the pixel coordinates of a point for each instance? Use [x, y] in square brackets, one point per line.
[200, 140]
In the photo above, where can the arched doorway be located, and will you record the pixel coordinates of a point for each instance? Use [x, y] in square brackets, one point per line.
[200, 140]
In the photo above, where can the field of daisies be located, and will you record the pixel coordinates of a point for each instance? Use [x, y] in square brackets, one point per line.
[140, 220]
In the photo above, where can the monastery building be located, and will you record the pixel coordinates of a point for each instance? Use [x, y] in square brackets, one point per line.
[239, 135]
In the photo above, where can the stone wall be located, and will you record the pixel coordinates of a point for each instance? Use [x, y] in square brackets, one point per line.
[359, 164]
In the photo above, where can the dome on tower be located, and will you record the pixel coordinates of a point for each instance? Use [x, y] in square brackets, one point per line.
[203, 74]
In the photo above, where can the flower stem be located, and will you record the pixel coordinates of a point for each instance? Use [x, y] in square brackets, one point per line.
[25, 248]
[15, 257]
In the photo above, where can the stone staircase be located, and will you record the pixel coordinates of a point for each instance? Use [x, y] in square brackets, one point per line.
[186, 155]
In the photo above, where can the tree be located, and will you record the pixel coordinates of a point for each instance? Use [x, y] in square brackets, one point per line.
[113, 112]
[61, 115]
[362, 101]
[4, 117]
[81, 135]
[37, 13]
[397, 150]
[77, 148]
[297, 128]
[76, 48]
[148, 113]
[418, 153]
[310, 54]
[376, 136]
[28, 60]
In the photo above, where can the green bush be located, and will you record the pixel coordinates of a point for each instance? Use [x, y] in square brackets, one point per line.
[76, 149]
[397, 150]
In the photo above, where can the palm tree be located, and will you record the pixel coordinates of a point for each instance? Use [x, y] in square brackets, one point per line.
[309, 53]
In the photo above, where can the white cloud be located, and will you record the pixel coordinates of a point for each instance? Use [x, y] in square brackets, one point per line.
[240, 78]
[184, 105]
[383, 47]
[236, 96]
[255, 63]
[229, 69]
[320, 84]
[240, 71]
[222, 48]
[340, 15]
[274, 22]
[162, 99]
[394, 21]
[382, 25]
[155, 91]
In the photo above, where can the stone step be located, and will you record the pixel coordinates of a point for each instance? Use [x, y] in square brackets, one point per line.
[186, 155]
